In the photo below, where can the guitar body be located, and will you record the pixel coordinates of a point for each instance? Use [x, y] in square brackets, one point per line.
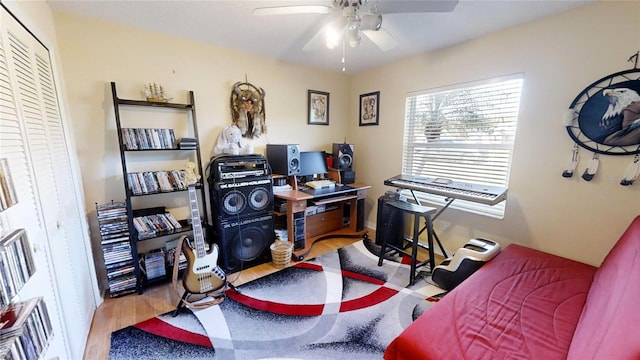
[203, 274]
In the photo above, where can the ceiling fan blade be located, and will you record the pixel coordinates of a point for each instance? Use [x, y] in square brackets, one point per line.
[412, 6]
[319, 40]
[382, 38]
[294, 9]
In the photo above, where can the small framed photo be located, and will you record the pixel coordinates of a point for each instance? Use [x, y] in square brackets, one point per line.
[318, 107]
[370, 108]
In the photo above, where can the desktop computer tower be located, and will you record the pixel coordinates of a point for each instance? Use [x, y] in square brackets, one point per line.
[362, 194]
[298, 231]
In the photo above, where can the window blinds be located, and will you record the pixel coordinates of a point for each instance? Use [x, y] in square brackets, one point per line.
[463, 133]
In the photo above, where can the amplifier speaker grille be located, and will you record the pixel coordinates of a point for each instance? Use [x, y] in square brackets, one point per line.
[245, 243]
[249, 197]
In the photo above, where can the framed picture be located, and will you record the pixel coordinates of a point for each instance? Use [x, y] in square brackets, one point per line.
[318, 107]
[370, 108]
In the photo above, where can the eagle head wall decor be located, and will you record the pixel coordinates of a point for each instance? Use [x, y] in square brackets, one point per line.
[247, 109]
[605, 118]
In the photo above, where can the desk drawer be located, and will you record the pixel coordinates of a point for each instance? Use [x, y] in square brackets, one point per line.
[324, 222]
[297, 206]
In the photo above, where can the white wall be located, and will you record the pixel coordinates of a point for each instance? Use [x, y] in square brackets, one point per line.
[559, 56]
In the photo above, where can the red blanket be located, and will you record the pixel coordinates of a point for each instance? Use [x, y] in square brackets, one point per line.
[523, 304]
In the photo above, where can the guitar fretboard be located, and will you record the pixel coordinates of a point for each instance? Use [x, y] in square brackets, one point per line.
[198, 236]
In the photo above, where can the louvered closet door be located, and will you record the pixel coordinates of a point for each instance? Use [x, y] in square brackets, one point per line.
[26, 213]
[41, 150]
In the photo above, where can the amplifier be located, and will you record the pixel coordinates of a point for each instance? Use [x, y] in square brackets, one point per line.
[249, 196]
[245, 242]
[227, 167]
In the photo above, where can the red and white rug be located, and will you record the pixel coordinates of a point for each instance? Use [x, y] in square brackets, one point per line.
[340, 305]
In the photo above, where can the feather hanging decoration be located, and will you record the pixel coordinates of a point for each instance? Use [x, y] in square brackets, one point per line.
[568, 117]
[592, 168]
[632, 173]
[573, 163]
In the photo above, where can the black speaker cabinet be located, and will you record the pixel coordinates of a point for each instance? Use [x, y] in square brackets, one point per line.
[284, 159]
[239, 198]
[389, 223]
[245, 243]
[343, 156]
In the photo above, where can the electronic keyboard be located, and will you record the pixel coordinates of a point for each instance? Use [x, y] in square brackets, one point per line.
[485, 194]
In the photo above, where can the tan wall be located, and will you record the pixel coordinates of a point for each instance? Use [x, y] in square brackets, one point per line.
[94, 53]
[559, 56]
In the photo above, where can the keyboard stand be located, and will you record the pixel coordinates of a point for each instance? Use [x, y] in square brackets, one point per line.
[418, 212]
[448, 200]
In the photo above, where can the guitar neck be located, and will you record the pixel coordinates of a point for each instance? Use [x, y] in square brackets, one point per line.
[198, 236]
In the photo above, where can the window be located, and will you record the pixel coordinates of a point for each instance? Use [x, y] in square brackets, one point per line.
[463, 133]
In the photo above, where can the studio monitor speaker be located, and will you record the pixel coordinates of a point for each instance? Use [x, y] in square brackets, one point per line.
[343, 156]
[284, 159]
[245, 243]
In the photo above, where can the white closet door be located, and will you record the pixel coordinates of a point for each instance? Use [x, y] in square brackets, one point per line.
[41, 149]
[26, 213]
[75, 250]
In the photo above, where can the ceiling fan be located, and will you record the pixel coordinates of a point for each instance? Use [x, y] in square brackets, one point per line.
[352, 18]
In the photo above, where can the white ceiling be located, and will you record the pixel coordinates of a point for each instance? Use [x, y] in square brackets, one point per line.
[231, 24]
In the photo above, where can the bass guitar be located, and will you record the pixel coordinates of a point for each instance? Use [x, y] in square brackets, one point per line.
[203, 275]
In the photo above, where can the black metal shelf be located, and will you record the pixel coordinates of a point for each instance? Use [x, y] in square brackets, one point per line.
[197, 186]
[186, 227]
[190, 110]
[154, 104]
[171, 149]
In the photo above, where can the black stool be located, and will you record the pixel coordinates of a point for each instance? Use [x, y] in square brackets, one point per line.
[418, 211]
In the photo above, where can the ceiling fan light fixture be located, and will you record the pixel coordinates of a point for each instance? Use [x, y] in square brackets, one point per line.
[354, 37]
[332, 38]
[371, 22]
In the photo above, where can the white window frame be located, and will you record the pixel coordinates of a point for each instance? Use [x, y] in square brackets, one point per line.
[453, 150]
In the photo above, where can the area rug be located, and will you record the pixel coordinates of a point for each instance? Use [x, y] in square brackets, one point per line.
[340, 305]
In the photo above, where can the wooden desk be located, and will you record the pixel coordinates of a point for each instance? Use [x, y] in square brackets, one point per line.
[323, 224]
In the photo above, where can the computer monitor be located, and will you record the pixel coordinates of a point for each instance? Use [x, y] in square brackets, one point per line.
[312, 162]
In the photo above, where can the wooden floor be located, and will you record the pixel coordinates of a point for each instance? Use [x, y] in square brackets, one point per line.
[118, 313]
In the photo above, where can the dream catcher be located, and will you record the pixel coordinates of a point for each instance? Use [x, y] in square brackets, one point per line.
[247, 109]
[605, 119]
